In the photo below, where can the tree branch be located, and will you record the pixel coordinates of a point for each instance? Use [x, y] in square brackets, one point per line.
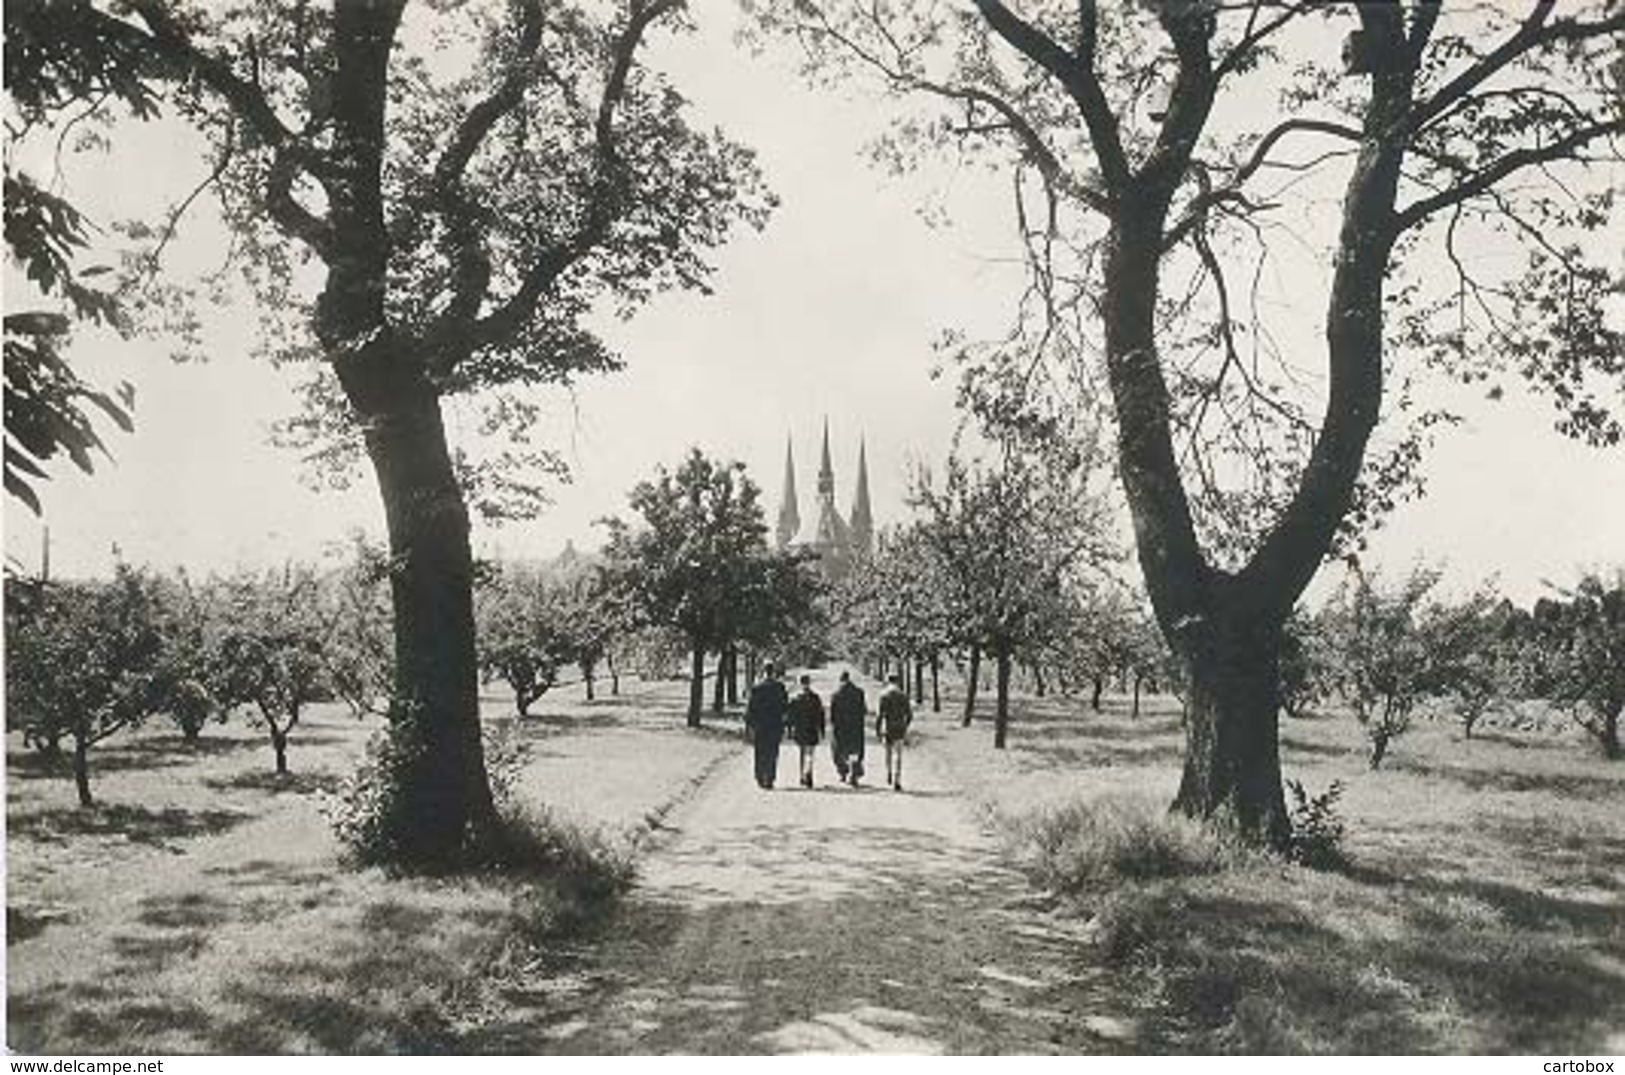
[1534, 32]
[471, 263]
[1513, 161]
[1077, 75]
[551, 263]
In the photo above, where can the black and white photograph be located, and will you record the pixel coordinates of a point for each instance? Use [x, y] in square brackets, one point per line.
[762, 527]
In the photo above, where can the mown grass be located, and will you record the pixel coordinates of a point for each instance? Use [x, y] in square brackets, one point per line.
[208, 908]
[1481, 908]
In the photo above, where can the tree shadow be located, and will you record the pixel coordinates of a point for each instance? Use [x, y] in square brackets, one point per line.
[940, 970]
[138, 824]
[1237, 972]
[297, 783]
[165, 751]
[99, 1019]
[1566, 785]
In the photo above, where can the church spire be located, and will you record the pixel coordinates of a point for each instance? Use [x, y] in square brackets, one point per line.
[831, 537]
[862, 524]
[789, 515]
[826, 473]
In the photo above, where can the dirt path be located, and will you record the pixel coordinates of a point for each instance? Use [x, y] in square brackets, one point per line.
[831, 920]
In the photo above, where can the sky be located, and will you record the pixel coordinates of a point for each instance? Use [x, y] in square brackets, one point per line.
[828, 313]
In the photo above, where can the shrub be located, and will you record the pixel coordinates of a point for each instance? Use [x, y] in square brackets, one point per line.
[586, 871]
[1317, 829]
[1097, 843]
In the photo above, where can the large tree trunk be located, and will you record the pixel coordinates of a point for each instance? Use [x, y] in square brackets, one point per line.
[1001, 712]
[1232, 753]
[614, 673]
[936, 688]
[696, 686]
[441, 800]
[587, 678]
[719, 688]
[1097, 685]
[445, 797]
[1038, 680]
[970, 685]
[1134, 713]
[919, 681]
[81, 770]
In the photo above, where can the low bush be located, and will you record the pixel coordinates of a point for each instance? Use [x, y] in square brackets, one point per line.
[1317, 827]
[585, 872]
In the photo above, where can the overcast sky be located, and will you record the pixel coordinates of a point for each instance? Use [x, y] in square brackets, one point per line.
[830, 311]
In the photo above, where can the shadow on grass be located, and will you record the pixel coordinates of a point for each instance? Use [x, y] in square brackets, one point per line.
[298, 783]
[1452, 967]
[154, 828]
[94, 1018]
[1566, 785]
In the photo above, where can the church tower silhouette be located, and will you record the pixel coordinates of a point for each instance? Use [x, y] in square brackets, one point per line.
[838, 542]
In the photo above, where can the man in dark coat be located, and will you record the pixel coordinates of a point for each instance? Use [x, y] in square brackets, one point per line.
[807, 726]
[847, 709]
[764, 722]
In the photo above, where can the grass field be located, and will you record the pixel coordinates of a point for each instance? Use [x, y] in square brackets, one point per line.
[202, 905]
[1483, 910]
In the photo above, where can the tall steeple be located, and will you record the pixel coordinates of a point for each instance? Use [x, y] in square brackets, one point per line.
[789, 515]
[826, 473]
[830, 539]
[862, 522]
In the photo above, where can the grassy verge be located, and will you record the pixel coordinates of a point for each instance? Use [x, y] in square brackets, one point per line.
[1479, 910]
[1237, 951]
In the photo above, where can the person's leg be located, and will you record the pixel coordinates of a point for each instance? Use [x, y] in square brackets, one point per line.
[897, 781]
[767, 759]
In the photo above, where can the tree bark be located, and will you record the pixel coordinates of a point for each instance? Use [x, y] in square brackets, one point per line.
[1097, 684]
[733, 675]
[1134, 713]
[1001, 714]
[279, 744]
[1038, 680]
[1232, 756]
[614, 673]
[936, 688]
[919, 681]
[587, 678]
[81, 770]
[696, 686]
[1379, 749]
[719, 687]
[970, 685]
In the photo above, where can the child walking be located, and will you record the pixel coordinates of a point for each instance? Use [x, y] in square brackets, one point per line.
[891, 725]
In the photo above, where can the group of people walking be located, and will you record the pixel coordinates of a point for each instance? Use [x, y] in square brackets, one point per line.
[771, 715]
